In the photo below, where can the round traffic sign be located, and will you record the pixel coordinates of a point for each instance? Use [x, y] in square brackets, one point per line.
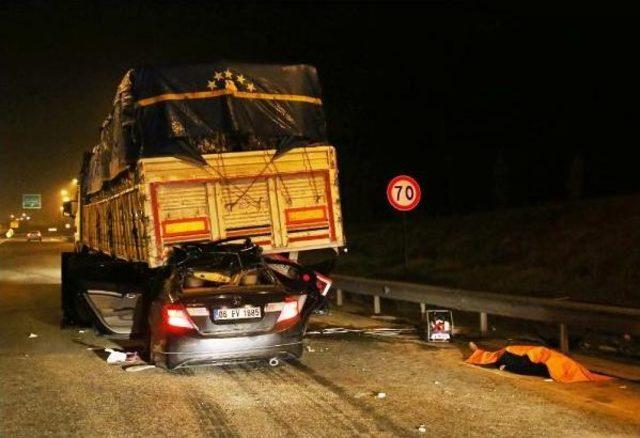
[403, 193]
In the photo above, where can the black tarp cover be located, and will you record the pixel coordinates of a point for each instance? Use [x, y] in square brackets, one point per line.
[189, 110]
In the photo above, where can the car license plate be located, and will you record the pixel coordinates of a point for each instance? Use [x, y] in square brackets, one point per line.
[440, 336]
[236, 313]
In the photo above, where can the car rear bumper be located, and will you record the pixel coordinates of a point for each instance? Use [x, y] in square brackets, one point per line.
[195, 350]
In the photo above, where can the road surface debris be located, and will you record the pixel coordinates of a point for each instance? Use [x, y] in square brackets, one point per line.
[138, 367]
[115, 356]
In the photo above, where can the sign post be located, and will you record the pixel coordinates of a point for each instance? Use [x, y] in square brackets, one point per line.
[31, 201]
[404, 193]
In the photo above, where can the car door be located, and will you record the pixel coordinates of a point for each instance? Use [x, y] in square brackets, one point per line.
[113, 294]
[116, 312]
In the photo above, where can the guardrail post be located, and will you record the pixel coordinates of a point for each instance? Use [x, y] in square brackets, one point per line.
[376, 304]
[564, 338]
[484, 324]
[423, 311]
[339, 297]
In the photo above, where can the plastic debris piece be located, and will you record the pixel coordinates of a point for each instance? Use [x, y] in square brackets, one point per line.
[32, 335]
[333, 330]
[381, 395]
[115, 356]
[310, 349]
[382, 331]
[623, 387]
[436, 382]
[136, 368]
[548, 380]
[80, 331]
[422, 428]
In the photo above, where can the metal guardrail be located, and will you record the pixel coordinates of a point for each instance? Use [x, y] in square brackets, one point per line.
[564, 313]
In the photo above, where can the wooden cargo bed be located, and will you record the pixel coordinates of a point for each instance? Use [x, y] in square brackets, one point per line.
[285, 203]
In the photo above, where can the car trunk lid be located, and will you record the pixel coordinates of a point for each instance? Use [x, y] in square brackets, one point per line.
[233, 311]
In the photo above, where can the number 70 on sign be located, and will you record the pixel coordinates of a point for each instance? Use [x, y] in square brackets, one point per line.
[403, 193]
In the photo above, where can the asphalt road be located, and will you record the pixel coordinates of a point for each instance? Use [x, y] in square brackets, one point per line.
[56, 384]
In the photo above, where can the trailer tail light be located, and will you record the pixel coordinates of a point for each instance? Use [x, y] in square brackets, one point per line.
[176, 316]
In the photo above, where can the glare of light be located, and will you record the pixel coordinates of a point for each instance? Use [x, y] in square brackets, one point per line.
[24, 214]
[12, 216]
[74, 181]
[65, 199]
[64, 192]
[28, 218]
[67, 226]
[61, 208]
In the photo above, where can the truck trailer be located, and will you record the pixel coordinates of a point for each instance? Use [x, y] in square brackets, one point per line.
[191, 156]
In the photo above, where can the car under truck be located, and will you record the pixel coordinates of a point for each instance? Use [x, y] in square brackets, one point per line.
[196, 160]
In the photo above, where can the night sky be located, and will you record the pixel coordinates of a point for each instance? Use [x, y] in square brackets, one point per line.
[487, 106]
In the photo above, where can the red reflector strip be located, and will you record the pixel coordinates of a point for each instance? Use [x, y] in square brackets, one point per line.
[311, 226]
[319, 236]
[305, 215]
[249, 232]
[185, 227]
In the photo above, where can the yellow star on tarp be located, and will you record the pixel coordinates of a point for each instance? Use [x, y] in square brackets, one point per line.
[212, 85]
[250, 86]
[228, 73]
[217, 76]
[240, 79]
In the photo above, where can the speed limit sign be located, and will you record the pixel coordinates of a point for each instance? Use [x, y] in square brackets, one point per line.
[403, 193]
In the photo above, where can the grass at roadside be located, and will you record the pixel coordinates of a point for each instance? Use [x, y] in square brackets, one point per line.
[588, 251]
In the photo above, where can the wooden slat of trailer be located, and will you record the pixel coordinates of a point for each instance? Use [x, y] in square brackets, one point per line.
[240, 164]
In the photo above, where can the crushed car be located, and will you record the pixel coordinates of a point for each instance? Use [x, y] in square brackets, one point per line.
[214, 303]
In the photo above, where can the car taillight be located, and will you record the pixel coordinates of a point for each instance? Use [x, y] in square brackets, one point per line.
[292, 307]
[175, 315]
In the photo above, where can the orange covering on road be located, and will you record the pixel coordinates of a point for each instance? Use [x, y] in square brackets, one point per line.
[561, 368]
